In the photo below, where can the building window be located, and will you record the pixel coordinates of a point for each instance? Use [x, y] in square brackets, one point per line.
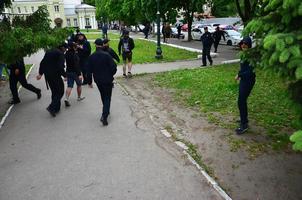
[32, 9]
[68, 22]
[75, 22]
[87, 20]
[25, 9]
[19, 10]
[57, 8]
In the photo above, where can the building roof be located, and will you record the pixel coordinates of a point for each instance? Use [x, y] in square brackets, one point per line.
[84, 6]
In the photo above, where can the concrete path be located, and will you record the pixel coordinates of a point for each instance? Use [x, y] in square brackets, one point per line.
[73, 157]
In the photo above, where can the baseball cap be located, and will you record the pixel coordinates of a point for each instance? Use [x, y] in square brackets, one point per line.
[99, 42]
[105, 41]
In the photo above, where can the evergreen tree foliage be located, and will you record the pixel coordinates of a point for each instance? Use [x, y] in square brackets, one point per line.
[278, 35]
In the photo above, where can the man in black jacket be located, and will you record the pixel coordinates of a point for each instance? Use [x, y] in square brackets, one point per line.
[17, 74]
[207, 41]
[52, 66]
[112, 53]
[126, 45]
[73, 72]
[217, 37]
[102, 67]
[84, 51]
[247, 79]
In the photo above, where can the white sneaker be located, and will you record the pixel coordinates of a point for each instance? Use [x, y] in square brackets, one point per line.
[81, 98]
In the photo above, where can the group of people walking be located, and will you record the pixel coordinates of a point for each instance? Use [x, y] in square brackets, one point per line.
[74, 62]
[83, 68]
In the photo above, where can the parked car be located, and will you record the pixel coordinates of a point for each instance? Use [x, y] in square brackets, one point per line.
[232, 38]
[175, 34]
[184, 27]
[197, 32]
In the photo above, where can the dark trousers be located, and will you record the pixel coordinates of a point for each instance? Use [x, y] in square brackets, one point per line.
[84, 71]
[216, 43]
[206, 54]
[56, 86]
[106, 92]
[245, 88]
[13, 82]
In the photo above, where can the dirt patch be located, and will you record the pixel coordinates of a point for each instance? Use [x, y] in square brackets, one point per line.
[269, 175]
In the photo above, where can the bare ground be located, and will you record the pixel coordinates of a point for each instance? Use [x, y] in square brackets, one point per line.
[269, 175]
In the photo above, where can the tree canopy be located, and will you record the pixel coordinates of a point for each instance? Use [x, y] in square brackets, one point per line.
[25, 35]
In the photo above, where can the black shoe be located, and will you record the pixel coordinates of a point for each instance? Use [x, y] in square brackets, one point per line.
[67, 104]
[124, 75]
[104, 121]
[203, 65]
[242, 129]
[12, 102]
[211, 63]
[129, 75]
[52, 113]
[39, 95]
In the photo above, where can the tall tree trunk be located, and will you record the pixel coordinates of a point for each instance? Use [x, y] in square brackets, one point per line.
[190, 21]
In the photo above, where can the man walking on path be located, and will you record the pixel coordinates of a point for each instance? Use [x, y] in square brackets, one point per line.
[207, 41]
[178, 31]
[103, 68]
[73, 72]
[52, 66]
[217, 37]
[84, 51]
[125, 46]
[17, 74]
[247, 79]
[112, 53]
[105, 31]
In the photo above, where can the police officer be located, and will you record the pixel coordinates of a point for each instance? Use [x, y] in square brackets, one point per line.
[101, 65]
[52, 66]
[217, 37]
[112, 53]
[207, 41]
[17, 74]
[247, 79]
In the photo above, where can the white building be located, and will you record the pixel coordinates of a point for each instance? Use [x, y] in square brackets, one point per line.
[62, 13]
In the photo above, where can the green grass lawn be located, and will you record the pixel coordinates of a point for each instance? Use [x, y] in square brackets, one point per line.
[144, 52]
[93, 36]
[214, 90]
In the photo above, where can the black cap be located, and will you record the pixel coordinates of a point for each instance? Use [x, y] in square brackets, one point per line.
[105, 41]
[126, 32]
[246, 40]
[99, 42]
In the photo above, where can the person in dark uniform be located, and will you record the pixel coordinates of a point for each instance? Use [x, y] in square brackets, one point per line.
[178, 31]
[207, 41]
[102, 67]
[112, 53]
[247, 79]
[84, 51]
[73, 72]
[17, 74]
[52, 66]
[217, 37]
[126, 45]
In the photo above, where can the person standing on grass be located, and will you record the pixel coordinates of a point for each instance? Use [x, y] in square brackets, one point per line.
[52, 66]
[18, 74]
[168, 32]
[112, 53]
[84, 51]
[73, 72]
[217, 37]
[102, 67]
[247, 79]
[105, 31]
[207, 41]
[125, 46]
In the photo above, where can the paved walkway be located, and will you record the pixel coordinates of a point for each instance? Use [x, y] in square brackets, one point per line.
[73, 157]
